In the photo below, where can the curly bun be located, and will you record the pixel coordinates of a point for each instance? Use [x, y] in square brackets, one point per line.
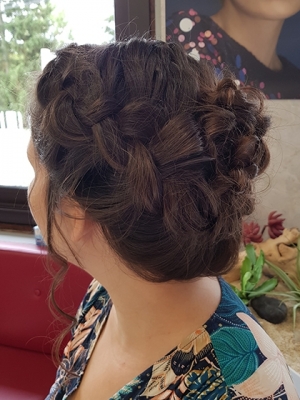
[159, 151]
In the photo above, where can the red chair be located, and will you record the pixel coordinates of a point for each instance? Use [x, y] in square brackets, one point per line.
[27, 327]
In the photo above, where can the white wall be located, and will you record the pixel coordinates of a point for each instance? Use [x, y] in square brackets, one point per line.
[279, 188]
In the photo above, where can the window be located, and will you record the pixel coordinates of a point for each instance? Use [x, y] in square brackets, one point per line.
[29, 30]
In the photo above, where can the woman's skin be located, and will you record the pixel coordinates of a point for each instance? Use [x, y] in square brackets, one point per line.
[147, 319]
[256, 25]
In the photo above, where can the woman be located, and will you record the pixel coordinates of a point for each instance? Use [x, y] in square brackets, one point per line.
[243, 36]
[144, 164]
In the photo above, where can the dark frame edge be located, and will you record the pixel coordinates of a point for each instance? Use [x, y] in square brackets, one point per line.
[134, 18]
[14, 207]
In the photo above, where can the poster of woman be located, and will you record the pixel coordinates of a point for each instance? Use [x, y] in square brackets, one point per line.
[258, 40]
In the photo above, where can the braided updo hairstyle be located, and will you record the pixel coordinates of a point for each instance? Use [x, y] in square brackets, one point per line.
[159, 151]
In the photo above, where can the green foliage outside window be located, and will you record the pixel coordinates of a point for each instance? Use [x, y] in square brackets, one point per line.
[26, 26]
[109, 29]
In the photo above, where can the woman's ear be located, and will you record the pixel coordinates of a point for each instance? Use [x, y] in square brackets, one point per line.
[75, 221]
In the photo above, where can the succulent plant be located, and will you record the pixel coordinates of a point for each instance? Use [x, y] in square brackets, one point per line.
[252, 233]
[251, 272]
[275, 227]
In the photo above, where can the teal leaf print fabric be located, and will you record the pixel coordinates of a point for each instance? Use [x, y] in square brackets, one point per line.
[229, 357]
[236, 352]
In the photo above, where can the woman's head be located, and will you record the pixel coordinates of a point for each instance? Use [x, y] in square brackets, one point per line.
[157, 150]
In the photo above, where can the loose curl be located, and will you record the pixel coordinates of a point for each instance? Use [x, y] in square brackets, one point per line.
[159, 151]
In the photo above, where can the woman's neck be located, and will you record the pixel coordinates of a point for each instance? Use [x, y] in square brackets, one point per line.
[258, 36]
[160, 315]
[148, 317]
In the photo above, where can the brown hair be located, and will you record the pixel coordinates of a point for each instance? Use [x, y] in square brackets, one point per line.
[159, 151]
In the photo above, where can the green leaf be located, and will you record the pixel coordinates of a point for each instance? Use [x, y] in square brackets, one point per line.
[246, 266]
[250, 285]
[245, 279]
[257, 268]
[295, 314]
[283, 276]
[251, 253]
[292, 295]
[260, 261]
[264, 288]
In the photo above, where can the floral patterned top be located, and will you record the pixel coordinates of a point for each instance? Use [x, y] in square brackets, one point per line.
[229, 357]
[202, 38]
